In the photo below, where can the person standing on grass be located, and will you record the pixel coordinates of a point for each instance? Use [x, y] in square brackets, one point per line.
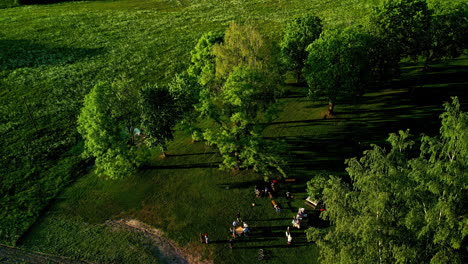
[207, 239]
[202, 240]
[288, 236]
[233, 232]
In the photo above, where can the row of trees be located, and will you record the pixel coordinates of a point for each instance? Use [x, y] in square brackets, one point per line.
[342, 63]
[233, 83]
[406, 204]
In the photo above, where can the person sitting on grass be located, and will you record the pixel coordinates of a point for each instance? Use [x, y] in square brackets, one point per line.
[278, 209]
[296, 223]
[246, 229]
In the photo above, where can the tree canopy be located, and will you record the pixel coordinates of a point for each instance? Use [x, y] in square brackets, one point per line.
[106, 123]
[202, 59]
[243, 94]
[159, 115]
[404, 25]
[339, 65]
[404, 205]
[300, 32]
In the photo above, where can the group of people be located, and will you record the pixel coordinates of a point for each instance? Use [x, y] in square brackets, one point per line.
[237, 229]
[267, 190]
[241, 228]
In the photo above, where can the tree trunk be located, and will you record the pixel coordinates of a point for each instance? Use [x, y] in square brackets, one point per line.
[163, 150]
[331, 106]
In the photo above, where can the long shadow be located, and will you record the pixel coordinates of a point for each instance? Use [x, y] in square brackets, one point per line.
[20, 53]
[191, 154]
[241, 185]
[294, 245]
[184, 166]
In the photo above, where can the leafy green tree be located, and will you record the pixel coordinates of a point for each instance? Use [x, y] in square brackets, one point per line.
[447, 33]
[404, 25]
[339, 65]
[106, 123]
[244, 46]
[237, 94]
[159, 115]
[242, 102]
[300, 32]
[186, 92]
[202, 59]
[403, 206]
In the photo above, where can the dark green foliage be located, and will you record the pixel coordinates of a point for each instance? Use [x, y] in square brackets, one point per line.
[300, 32]
[241, 96]
[186, 92]
[202, 59]
[404, 25]
[159, 115]
[448, 35]
[242, 102]
[404, 205]
[339, 65]
[107, 122]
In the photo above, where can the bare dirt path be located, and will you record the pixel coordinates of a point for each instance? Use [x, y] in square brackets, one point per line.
[10, 255]
[172, 253]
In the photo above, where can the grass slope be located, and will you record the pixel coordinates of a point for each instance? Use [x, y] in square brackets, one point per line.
[51, 55]
[185, 194]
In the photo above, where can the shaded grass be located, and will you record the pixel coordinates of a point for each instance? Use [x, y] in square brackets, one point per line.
[77, 44]
[185, 194]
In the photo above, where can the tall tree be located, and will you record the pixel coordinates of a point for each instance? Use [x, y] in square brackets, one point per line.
[300, 32]
[403, 205]
[447, 32]
[243, 100]
[241, 96]
[106, 122]
[202, 65]
[244, 46]
[404, 24]
[339, 65]
[159, 115]
[186, 92]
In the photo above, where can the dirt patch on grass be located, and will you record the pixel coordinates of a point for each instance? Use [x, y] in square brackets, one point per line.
[170, 250]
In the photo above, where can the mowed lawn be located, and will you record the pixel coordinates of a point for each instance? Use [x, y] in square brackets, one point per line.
[185, 194]
[52, 55]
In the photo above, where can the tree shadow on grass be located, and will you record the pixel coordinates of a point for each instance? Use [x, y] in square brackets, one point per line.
[293, 245]
[19, 53]
[183, 166]
[191, 154]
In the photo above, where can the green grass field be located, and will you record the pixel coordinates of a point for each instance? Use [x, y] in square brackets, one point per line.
[51, 55]
[185, 194]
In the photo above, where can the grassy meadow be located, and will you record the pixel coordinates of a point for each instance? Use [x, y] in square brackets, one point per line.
[51, 56]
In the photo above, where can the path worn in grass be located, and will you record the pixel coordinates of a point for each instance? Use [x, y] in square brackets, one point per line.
[171, 252]
[10, 255]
